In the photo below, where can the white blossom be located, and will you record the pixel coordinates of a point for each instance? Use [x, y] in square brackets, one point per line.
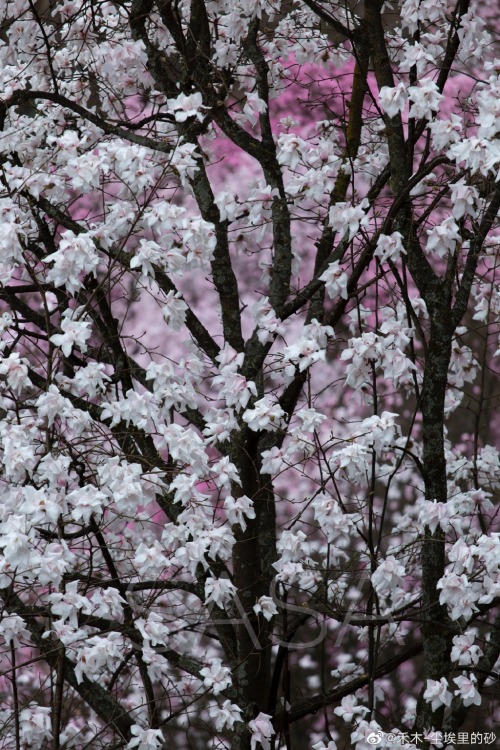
[216, 676]
[266, 607]
[273, 461]
[310, 347]
[34, 725]
[150, 561]
[389, 247]
[149, 254]
[219, 425]
[443, 237]
[466, 690]
[68, 604]
[463, 199]
[393, 100]
[219, 590]
[225, 716]
[185, 106]
[15, 372]
[262, 731]
[437, 693]
[264, 416]
[86, 501]
[75, 332]
[239, 508]
[434, 514]
[379, 432]
[153, 629]
[291, 148]
[75, 257]
[349, 708]
[235, 388]
[265, 317]
[389, 575]
[174, 311]
[348, 219]
[97, 654]
[145, 739]
[335, 279]
[108, 603]
[459, 594]
[425, 97]
[12, 628]
[465, 652]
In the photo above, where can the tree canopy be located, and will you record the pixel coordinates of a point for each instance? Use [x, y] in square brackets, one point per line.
[249, 315]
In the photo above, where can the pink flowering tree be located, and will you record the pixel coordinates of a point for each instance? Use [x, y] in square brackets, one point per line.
[249, 299]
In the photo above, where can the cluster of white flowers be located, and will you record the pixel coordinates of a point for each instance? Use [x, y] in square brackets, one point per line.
[310, 347]
[370, 352]
[145, 739]
[349, 219]
[75, 257]
[193, 197]
[437, 693]
[262, 731]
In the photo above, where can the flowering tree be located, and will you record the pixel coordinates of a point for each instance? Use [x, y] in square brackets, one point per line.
[249, 299]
